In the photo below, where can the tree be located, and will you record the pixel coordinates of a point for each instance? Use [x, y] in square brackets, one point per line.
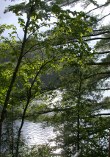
[64, 50]
[81, 126]
[37, 54]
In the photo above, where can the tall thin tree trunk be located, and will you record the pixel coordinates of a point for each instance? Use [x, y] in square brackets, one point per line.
[0, 140]
[27, 103]
[19, 131]
[4, 110]
[78, 112]
[109, 145]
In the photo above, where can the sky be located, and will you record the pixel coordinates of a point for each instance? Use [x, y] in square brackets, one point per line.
[9, 18]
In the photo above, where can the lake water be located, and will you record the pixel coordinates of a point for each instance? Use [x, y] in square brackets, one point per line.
[36, 133]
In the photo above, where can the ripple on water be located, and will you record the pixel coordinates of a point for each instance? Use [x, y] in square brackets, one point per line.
[36, 133]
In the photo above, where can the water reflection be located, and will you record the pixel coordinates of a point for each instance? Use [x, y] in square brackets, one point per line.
[36, 133]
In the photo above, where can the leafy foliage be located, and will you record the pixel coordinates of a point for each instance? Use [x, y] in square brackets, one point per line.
[30, 66]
